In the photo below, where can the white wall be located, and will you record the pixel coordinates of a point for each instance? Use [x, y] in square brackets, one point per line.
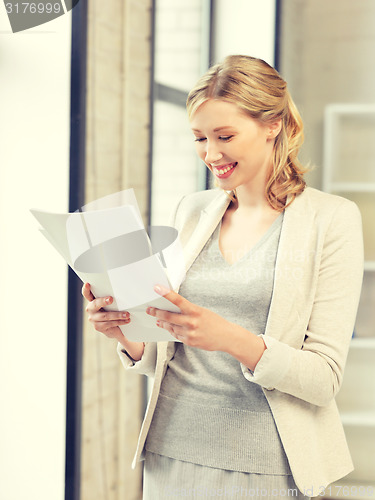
[245, 27]
[178, 61]
[34, 163]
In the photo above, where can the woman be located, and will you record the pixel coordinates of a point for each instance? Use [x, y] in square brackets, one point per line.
[243, 405]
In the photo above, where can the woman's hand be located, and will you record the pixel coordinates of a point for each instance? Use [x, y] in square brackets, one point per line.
[108, 322]
[194, 326]
[199, 327]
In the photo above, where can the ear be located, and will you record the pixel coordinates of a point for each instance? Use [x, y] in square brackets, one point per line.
[273, 129]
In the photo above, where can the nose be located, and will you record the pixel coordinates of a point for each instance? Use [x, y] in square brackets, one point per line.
[213, 153]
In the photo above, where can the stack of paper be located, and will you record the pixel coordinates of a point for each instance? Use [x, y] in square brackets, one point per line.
[106, 245]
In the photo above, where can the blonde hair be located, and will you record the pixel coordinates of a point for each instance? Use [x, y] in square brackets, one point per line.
[262, 94]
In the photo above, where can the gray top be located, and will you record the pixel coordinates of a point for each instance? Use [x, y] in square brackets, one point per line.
[207, 412]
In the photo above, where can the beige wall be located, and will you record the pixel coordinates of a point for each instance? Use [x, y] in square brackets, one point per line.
[327, 53]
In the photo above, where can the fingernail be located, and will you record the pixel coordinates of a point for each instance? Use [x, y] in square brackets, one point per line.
[108, 300]
[162, 290]
[125, 315]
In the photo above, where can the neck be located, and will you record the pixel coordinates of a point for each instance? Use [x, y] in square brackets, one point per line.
[250, 200]
[250, 196]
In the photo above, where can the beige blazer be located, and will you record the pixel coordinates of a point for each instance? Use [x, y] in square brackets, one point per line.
[318, 278]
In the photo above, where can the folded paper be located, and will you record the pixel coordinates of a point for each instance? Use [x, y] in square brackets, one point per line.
[106, 245]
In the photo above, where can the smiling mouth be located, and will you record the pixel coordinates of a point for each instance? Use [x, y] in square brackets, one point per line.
[224, 171]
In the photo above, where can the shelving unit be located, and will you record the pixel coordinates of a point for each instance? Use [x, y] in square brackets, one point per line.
[349, 171]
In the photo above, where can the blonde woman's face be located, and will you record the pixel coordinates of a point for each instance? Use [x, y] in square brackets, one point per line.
[236, 148]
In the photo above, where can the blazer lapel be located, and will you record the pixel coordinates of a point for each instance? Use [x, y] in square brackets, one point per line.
[209, 219]
[291, 264]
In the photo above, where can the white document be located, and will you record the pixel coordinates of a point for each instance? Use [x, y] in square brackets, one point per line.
[107, 246]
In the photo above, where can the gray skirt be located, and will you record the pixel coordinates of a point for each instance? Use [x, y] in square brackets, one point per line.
[167, 478]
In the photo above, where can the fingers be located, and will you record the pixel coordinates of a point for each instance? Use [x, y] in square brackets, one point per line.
[176, 330]
[170, 317]
[174, 297]
[86, 292]
[106, 322]
[106, 326]
[94, 304]
[103, 321]
[108, 316]
[97, 314]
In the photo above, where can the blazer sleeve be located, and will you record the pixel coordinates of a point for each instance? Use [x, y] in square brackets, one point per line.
[147, 364]
[315, 372]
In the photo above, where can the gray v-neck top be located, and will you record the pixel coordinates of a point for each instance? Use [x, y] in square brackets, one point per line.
[207, 412]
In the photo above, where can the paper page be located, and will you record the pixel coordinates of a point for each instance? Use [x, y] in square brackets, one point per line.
[107, 246]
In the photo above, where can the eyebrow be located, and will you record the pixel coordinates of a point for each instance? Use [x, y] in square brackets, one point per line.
[216, 129]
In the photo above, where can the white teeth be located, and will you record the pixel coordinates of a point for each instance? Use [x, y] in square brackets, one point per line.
[225, 170]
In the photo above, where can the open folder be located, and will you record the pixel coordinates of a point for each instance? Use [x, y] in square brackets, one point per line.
[106, 245]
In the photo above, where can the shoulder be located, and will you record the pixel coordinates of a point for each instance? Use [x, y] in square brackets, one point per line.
[317, 198]
[200, 200]
[191, 205]
[325, 206]
[332, 220]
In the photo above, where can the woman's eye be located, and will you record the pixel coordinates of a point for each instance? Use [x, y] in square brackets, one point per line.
[200, 139]
[226, 137]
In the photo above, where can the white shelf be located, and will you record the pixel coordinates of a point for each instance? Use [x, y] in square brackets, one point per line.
[350, 109]
[358, 419]
[362, 343]
[333, 114]
[356, 398]
[369, 265]
[351, 187]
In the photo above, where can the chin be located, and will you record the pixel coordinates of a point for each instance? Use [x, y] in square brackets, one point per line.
[228, 186]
